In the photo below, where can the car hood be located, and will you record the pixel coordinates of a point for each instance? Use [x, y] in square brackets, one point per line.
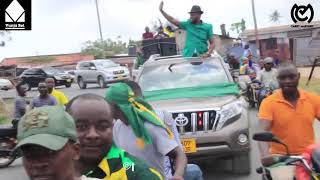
[4, 82]
[174, 105]
[56, 73]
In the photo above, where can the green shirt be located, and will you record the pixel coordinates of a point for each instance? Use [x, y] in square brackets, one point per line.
[197, 37]
[120, 165]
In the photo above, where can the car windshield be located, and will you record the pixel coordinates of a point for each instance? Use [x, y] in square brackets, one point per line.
[171, 76]
[50, 70]
[105, 64]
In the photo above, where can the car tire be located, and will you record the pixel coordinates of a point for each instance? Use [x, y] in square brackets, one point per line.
[101, 82]
[68, 85]
[241, 164]
[81, 83]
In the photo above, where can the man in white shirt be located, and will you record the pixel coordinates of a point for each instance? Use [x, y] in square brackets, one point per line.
[268, 76]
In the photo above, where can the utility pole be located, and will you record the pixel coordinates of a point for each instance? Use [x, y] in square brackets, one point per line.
[100, 29]
[255, 27]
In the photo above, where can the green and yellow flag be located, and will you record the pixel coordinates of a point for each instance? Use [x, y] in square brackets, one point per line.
[136, 110]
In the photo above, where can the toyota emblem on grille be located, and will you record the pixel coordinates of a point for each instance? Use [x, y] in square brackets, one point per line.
[181, 120]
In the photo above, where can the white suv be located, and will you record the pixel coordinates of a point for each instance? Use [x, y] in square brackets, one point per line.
[100, 71]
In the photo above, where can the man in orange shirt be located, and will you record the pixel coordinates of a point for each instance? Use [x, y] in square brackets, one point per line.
[289, 114]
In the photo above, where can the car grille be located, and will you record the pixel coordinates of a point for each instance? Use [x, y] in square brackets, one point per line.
[118, 72]
[196, 121]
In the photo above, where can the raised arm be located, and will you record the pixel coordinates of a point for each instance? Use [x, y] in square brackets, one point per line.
[265, 125]
[211, 46]
[180, 162]
[167, 16]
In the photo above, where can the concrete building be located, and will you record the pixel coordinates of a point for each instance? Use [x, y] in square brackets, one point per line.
[48, 60]
[287, 42]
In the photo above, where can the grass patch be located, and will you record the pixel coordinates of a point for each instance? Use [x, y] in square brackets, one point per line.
[314, 85]
[6, 109]
[4, 120]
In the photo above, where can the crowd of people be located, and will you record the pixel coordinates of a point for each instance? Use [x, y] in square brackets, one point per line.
[161, 33]
[119, 135]
[265, 71]
[89, 129]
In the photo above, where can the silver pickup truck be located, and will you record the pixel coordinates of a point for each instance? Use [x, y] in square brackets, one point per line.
[213, 123]
[101, 72]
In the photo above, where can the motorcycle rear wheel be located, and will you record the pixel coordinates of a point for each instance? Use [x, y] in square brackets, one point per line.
[6, 160]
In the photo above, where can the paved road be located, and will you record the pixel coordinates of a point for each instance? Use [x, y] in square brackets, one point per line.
[70, 92]
[16, 172]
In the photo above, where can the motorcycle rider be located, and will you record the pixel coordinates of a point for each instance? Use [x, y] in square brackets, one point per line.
[248, 68]
[268, 76]
[289, 114]
[20, 103]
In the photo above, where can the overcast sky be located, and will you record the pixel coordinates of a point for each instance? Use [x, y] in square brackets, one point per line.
[62, 26]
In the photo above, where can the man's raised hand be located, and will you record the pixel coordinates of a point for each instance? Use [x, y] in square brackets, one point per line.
[161, 6]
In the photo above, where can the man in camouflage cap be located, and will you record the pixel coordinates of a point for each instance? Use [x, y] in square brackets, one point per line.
[47, 138]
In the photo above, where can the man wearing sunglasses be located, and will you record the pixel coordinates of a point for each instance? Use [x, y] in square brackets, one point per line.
[289, 114]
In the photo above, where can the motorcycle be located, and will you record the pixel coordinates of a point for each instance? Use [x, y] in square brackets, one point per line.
[256, 92]
[252, 90]
[303, 165]
[264, 92]
[8, 142]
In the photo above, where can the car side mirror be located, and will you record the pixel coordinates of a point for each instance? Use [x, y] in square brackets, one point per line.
[92, 68]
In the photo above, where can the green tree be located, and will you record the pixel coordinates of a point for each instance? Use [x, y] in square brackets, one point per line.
[239, 27]
[108, 47]
[275, 16]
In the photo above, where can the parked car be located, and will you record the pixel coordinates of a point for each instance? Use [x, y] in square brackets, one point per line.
[210, 126]
[5, 84]
[32, 77]
[71, 74]
[101, 72]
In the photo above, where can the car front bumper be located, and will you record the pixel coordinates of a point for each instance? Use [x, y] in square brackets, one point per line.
[64, 82]
[221, 143]
[6, 86]
[110, 79]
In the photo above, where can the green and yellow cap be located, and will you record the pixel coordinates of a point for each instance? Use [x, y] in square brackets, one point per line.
[50, 127]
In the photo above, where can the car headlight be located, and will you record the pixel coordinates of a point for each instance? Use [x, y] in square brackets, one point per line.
[126, 71]
[57, 77]
[108, 73]
[229, 111]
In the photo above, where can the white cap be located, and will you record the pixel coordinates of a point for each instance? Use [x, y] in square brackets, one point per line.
[268, 60]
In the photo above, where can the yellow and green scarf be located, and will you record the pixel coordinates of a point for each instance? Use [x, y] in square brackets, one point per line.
[136, 110]
[120, 165]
